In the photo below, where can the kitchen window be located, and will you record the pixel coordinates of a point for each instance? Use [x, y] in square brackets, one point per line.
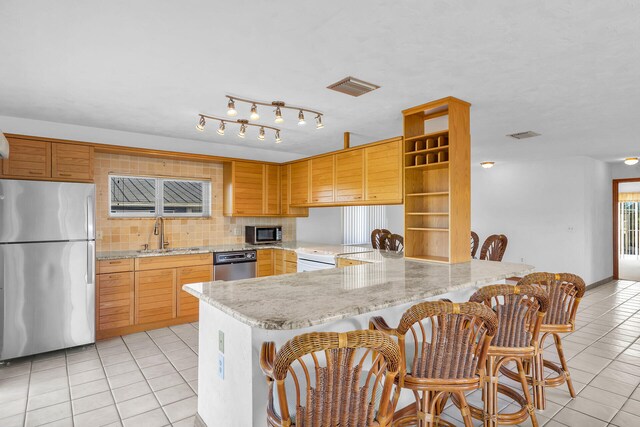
[359, 221]
[135, 196]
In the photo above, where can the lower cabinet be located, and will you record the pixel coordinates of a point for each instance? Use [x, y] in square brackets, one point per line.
[342, 262]
[276, 261]
[265, 265]
[133, 297]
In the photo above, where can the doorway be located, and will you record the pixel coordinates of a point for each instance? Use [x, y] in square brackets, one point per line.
[626, 229]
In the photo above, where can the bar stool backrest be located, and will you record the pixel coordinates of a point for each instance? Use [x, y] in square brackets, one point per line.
[494, 247]
[377, 241]
[447, 340]
[565, 291]
[335, 379]
[519, 309]
[475, 242]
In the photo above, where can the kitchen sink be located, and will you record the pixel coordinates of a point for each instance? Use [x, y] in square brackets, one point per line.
[167, 250]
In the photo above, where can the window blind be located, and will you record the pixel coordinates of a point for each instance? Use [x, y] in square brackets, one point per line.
[359, 221]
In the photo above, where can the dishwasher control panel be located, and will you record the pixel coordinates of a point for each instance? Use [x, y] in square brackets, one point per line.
[234, 257]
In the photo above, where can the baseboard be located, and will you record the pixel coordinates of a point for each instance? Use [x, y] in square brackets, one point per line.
[600, 282]
[198, 422]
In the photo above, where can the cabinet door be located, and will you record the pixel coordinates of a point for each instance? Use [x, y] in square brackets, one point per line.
[187, 303]
[285, 195]
[322, 179]
[70, 161]
[115, 300]
[350, 176]
[278, 262]
[290, 267]
[248, 188]
[383, 176]
[299, 182]
[28, 159]
[155, 295]
[265, 262]
[272, 189]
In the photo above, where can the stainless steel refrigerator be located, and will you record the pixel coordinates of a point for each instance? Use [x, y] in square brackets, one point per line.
[47, 266]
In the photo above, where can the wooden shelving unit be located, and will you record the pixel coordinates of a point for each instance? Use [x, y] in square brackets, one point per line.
[437, 181]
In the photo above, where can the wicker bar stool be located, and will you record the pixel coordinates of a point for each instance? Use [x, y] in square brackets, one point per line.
[329, 381]
[494, 247]
[393, 243]
[565, 292]
[445, 355]
[377, 240]
[520, 310]
[475, 242]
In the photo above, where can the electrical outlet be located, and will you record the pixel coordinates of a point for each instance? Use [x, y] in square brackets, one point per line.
[99, 234]
[236, 231]
[221, 366]
[221, 341]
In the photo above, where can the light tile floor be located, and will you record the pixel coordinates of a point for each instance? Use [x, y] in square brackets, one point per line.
[150, 379]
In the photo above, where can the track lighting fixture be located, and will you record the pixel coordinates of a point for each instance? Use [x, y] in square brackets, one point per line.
[201, 123]
[243, 130]
[279, 118]
[244, 124]
[254, 113]
[231, 108]
[279, 106]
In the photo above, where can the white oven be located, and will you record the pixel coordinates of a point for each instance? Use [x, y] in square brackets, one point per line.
[313, 259]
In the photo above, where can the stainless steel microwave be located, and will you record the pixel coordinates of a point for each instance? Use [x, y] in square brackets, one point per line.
[262, 235]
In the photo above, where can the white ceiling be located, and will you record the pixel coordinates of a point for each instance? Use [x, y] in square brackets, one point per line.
[568, 70]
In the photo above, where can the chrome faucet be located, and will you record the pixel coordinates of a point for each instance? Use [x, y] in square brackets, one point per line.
[158, 230]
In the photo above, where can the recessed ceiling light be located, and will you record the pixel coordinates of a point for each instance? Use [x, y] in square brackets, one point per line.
[523, 135]
[487, 165]
[631, 161]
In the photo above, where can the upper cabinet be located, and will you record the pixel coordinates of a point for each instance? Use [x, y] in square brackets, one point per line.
[244, 188]
[322, 179]
[285, 195]
[349, 176]
[383, 176]
[272, 189]
[36, 159]
[299, 182]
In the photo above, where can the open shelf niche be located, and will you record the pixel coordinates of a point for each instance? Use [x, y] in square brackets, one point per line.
[437, 181]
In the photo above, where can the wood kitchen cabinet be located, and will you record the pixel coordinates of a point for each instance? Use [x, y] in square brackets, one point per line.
[28, 159]
[322, 178]
[71, 161]
[47, 160]
[299, 182]
[383, 172]
[265, 262]
[140, 294]
[278, 262]
[290, 262]
[243, 188]
[285, 195]
[349, 176]
[272, 189]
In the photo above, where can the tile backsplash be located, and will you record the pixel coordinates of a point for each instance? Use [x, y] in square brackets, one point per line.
[118, 234]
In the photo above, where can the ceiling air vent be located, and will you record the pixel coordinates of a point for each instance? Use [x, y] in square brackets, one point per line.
[352, 86]
[523, 135]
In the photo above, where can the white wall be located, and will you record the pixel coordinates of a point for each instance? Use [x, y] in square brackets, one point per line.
[556, 213]
[130, 139]
[619, 171]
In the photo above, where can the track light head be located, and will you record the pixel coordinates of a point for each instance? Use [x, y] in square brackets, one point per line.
[231, 108]
[201, 123]
[261, 134]
[301, 120]
[279, 118]
[243, 130]
[254, 113]
[319, 124]
[221, 129]
[278, 139]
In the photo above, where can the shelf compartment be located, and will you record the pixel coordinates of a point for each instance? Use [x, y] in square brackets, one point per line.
[428, 135]
[427, 243]
[432, 194]
[428, 150]
[430, 166]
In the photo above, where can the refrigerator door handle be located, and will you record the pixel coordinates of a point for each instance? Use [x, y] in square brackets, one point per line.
[90, 219]
[91, 263]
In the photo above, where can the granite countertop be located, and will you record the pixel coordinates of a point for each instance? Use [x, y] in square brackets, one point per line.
[340, 250]
[312, 298]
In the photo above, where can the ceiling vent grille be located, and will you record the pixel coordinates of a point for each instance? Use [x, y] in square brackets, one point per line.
[352, 86]
[523, 135]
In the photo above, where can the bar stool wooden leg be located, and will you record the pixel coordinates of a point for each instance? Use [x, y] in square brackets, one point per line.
[464, 410]
[525, 390]
[491, 394]
[563, 363]
[537, 379]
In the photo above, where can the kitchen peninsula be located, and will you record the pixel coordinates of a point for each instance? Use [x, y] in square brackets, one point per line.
[236, 317]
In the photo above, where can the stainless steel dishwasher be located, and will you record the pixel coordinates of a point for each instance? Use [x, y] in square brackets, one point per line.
[234, 265]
